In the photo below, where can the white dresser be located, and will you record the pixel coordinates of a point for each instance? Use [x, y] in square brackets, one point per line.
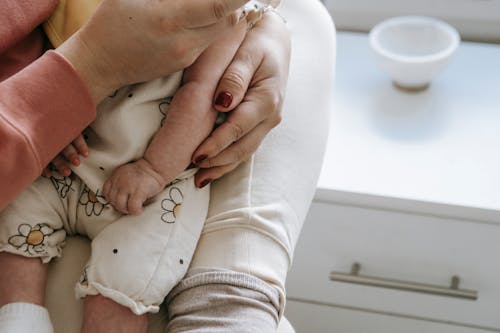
[409, 198]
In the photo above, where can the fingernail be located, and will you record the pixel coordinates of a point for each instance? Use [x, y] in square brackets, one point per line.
[205, 182]
[75, 161]
[224, 99]
[200, 159]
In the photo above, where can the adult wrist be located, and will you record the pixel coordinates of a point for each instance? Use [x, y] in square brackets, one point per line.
[86, 65]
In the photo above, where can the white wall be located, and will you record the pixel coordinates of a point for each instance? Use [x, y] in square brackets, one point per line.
[475, 19]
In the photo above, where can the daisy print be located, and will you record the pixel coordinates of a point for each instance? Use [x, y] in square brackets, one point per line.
[84, 277]
[33, 239]
[62, 185]
[94, 203]
[172, 205]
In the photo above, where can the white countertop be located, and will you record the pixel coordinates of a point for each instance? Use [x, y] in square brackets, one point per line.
[437, 151]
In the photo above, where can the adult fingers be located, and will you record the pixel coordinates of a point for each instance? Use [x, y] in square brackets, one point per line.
[262, 104]
[234, 83]
[205, 176]
[205, 12]
[238, 124]
[240, 150]
[204, 36]
[264, 55]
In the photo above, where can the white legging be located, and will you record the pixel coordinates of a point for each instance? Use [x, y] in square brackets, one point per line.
[256, 212]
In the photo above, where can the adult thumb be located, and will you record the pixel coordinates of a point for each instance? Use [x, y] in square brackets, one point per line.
[236, 79]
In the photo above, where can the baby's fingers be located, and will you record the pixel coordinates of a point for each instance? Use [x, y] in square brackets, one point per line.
[106, 188]
[71, 155]
[135, 202]
[47, 172]
[118, 199]
[81, 146]
[61, 164]
[120, 202]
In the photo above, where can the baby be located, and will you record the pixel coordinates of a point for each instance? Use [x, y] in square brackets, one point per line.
[137, 175]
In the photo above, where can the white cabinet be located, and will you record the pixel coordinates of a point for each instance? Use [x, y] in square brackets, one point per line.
[410, 190]
[394, 245]
[311, 318]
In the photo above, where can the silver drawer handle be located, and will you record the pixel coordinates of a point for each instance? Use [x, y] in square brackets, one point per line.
[452, 291]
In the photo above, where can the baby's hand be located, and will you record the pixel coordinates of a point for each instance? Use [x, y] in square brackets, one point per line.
[68, 156]
[131, 185]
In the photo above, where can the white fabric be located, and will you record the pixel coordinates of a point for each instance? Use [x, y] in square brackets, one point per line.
[22, 317]
[136, 260]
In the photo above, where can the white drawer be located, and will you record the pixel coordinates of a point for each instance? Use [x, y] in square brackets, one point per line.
[395, 245]
[311, 318]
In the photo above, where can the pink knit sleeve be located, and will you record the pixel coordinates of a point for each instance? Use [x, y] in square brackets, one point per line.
[42, 109]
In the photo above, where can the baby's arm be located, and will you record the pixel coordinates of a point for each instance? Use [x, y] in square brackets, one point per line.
[189, 121]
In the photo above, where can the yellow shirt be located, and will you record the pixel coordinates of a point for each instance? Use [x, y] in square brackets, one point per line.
[67, 18]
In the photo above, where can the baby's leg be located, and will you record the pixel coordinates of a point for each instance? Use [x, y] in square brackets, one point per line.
[22, 289]
[31, 233]
[105, 315]
[190, 116]
[21, 279]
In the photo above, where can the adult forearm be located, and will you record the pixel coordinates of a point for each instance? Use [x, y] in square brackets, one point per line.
[42, 108]
[88, 66]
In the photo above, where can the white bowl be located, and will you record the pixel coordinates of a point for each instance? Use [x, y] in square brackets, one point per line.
[413, 49]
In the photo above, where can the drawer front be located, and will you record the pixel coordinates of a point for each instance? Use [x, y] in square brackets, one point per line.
[311, 318]
[400, 246]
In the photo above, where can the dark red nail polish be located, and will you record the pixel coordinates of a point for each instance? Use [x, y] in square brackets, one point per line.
[224, 99]
[205, 182]
[200, 159]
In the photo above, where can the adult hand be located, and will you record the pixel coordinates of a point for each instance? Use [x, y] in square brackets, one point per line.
[130, 41]
[254, 87]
